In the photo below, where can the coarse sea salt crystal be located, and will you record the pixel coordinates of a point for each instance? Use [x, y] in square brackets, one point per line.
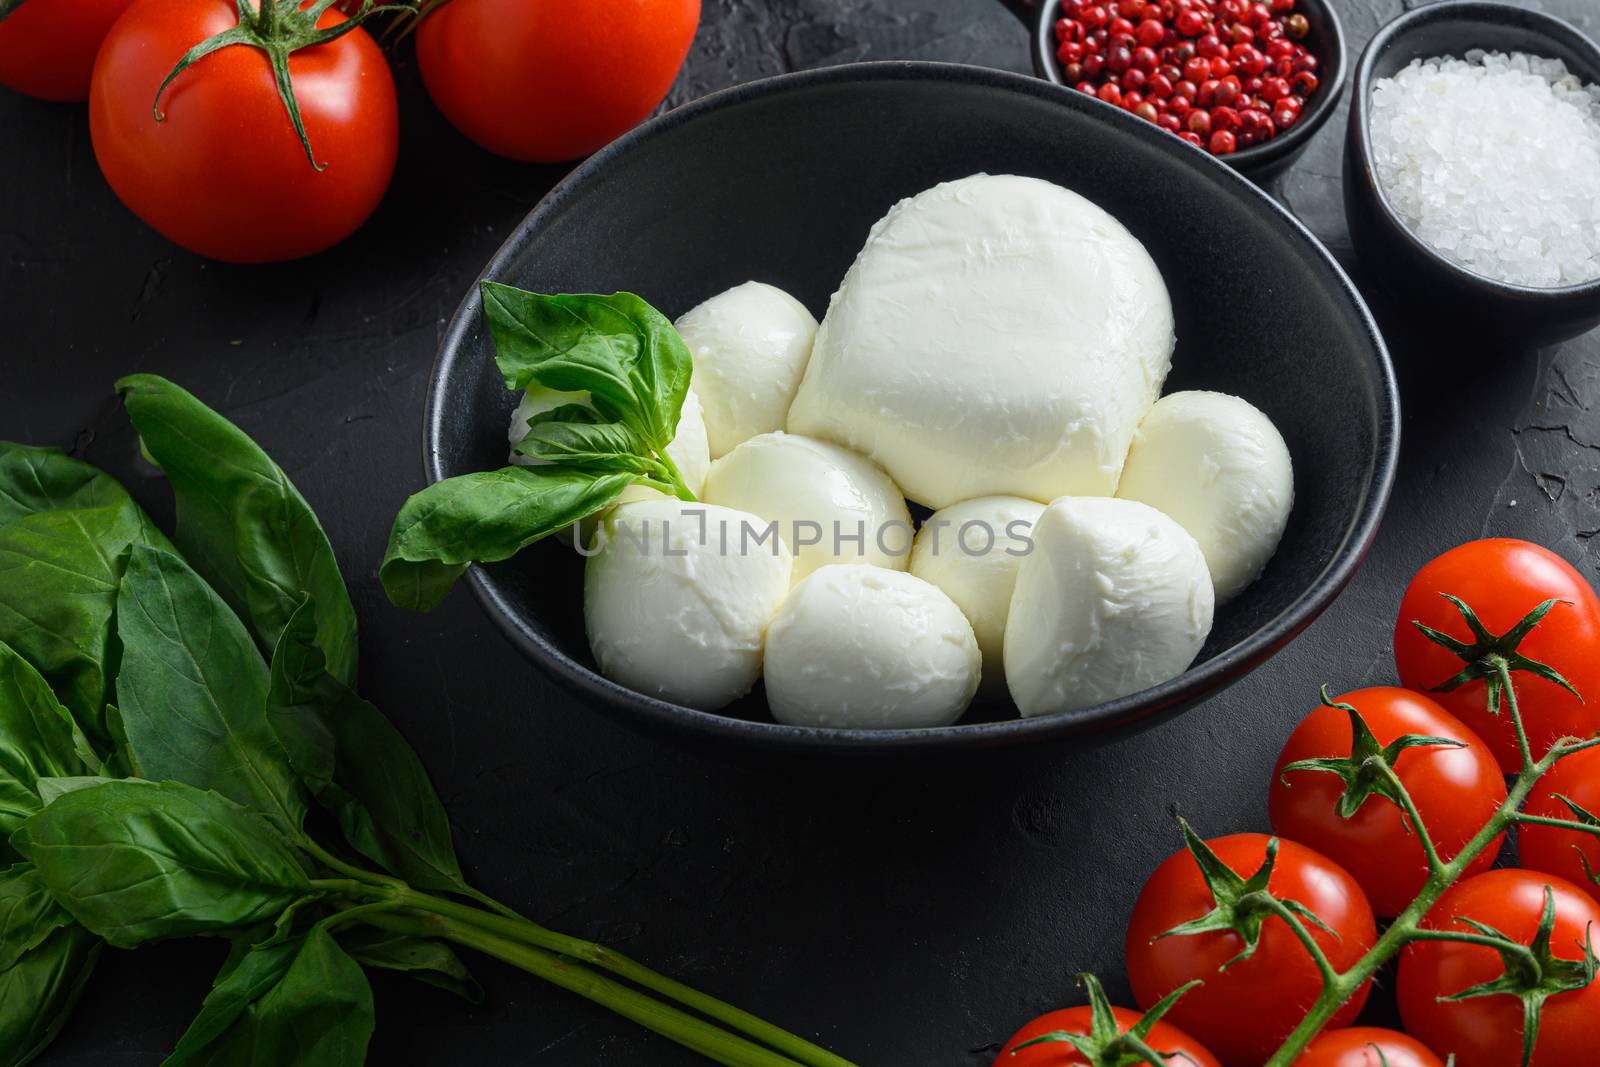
[1494, 160]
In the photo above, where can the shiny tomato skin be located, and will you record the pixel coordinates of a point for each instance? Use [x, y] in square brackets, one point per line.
[1359, 1046]
[1502, 580]
[1487, 1031]
[1244, 1013]
[1457, 791]
[544, 81]
[47, 47]
[1561, 852]
[1181, 1050]
[225, 175]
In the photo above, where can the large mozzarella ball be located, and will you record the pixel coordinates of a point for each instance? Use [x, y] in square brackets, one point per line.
[972, 551]
[864, 648]
[1114, 598]
[831, 505]
[996, 335]
[1220, 468]
[677, 600]
[750, 346]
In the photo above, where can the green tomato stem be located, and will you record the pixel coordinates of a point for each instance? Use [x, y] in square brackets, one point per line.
[1560, 824]
[710, 1041]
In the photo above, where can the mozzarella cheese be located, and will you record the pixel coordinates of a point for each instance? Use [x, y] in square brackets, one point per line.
[996, 335]
[677, 600]
[972, 551]
[750, 346]
[1114, 598]
[1220, 468]
[831, 505]
[864, 648]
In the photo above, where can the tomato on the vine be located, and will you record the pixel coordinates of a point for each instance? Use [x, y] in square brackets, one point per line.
[545, 82]
[47, 47]
[1568, 854]
[1502, 581]
[1456, 791]
[1244, 1012]
[1487, 1030]
[1367, 1046]
[224, 173]
[1179, 1048]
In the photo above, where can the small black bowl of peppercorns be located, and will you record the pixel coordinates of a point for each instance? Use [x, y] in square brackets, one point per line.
[1248, 81]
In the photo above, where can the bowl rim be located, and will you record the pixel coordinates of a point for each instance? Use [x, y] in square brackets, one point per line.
[1329, 91]
[1143, 708]
[1488, 12]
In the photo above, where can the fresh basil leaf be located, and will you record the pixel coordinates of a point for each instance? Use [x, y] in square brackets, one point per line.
[63, 530]
[241, 522]
[624, 353]
[134, 861]
[28, 913]
[316, 1013]
[482, 518]
[242, 981]
[38, 739]
[358, 765]
[192, 691]
[39, 991]
[595, 446]
[424, 959]
[51, 788]
[567, 413]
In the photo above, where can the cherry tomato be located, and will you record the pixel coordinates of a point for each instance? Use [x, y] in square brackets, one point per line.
[225, 174]
[1180, 1049]
[1367, 1046]
[1562, 852]
[1487, 1031]
[542, 81]
[1502, 580]
[1457, 791]
[47, 47]
[1243, 1013]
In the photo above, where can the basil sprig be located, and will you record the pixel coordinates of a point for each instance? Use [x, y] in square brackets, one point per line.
[628, 360]
[182, 752]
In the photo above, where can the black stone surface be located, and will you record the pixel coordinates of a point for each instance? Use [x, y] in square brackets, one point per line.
[907, 923]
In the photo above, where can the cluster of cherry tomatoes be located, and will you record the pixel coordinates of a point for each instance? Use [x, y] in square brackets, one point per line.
[222, 170]
[1347, 856]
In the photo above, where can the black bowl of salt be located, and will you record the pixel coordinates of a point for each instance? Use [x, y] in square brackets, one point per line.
[1472, 170]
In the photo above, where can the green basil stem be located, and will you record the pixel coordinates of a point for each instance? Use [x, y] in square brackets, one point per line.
[1441, 876]
[710, 1041]
[677, 487]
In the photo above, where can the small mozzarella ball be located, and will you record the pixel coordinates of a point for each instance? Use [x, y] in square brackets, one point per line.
[1114, 598]
[1220, 468]
[677, 599]
[750, 345]
[863, 648]
[831, 505]
[972, 551]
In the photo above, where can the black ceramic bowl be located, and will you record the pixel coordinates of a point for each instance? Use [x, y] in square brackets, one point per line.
[1514, 314]
[781, 179]
[1262, 162]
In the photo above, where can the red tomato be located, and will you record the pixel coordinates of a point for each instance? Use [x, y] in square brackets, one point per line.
[1180, 1049]
[1244, 1013]
[225, 174]
[1367, 1046]
[543, 81]
[47, 47]
[1487, 1031]
[1457, 791]
[1561, 852]
[1502, 580]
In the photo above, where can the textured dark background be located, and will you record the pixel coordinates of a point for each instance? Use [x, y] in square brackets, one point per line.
[910, 923]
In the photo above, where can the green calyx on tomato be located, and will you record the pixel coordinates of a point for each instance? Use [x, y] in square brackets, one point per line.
[1105, 1045]
[7, 7]
[1242, 905]
[1583, 817]
[1533, 973]
[1369, 769]
[279, 28]
[1492, 657]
